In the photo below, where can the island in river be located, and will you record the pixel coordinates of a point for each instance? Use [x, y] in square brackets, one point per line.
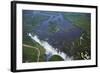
[56, 36]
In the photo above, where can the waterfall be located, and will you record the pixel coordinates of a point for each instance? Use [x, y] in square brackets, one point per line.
[50, 51]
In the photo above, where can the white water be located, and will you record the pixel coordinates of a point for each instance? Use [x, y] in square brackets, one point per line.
[50, 51]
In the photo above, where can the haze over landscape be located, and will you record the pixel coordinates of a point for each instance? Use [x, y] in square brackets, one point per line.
[56, 36]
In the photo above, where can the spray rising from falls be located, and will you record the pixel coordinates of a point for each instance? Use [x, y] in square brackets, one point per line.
[50, 51]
